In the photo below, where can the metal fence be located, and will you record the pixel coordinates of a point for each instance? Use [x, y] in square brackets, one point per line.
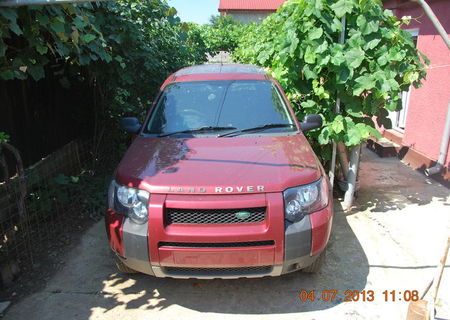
[43, 203]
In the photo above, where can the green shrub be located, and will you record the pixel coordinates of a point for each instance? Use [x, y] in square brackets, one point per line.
[299, 45]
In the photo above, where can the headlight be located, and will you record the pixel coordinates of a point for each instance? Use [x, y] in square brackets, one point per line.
[128, 201]
[303, 200]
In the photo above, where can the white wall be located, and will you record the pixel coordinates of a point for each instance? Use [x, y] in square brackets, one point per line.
[249, 16]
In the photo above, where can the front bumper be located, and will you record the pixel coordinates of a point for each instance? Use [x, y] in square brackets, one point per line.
[269, 248]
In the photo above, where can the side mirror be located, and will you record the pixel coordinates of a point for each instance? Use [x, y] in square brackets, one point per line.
[311, 122]
[130, 125]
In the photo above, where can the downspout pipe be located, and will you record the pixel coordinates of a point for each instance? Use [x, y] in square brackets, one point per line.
[446, 136]
[429, 12]
[444, 149]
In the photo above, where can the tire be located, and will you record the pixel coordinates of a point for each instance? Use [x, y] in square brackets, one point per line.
[316, 265]
[123, 268]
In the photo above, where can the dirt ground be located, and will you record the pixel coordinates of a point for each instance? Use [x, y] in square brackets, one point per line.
[392, 240]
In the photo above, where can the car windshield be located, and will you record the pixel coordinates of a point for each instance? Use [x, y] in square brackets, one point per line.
[219, 106]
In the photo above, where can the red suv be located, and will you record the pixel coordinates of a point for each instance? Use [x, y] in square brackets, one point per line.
[220, 182]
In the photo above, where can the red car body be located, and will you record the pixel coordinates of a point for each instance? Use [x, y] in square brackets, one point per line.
[189, 178]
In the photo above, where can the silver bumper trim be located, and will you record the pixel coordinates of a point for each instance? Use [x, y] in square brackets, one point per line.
[160, 273]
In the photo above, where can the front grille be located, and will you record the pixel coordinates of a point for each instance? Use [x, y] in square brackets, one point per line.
[218, 245]
[214, 216]
[217, 271]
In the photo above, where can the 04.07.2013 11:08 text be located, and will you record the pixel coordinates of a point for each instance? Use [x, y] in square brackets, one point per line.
[355, 295]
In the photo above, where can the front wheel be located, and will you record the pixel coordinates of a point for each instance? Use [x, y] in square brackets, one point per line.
[122, 267]
[316, 265]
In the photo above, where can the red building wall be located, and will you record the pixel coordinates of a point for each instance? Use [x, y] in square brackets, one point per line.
[428, 105]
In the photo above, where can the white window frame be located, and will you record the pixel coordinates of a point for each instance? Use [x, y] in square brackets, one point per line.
[398, 118]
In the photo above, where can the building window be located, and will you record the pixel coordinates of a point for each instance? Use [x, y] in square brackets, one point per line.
[398, 118]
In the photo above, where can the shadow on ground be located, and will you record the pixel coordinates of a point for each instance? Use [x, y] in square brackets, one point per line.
[90, 287]
[257, 296]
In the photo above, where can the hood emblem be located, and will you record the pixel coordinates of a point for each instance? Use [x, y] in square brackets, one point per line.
[235, 189]
[243, 215]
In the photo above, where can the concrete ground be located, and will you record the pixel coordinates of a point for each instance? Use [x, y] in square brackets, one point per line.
[391, 241]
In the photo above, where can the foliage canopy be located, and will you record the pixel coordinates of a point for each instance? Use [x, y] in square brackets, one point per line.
[299, 44]
[222, 34]
[123, 49]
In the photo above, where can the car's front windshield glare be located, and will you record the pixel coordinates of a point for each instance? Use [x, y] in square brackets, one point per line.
[239, 104]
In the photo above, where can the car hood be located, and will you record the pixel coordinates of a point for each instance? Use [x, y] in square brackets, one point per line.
[219, 165]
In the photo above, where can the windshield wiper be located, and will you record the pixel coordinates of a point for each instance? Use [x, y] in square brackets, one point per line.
[264, 127]
[202, 129]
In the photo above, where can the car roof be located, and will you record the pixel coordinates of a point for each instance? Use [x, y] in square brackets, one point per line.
[220, 68]
[208, 72]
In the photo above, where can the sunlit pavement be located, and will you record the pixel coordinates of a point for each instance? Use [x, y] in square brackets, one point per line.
[391, 241]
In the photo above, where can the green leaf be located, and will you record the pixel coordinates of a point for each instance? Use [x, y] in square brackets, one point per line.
[15, 28]
[62, 36]
[354, 109]
[310, 55]
[107, 57]
[9, 14]
[396, 54]
[393, 105]
[374, 132]
[388, 13]
[75, 36]
[383, 60]
[294, 43]
[43, 19]
[57, 26]
[336, 25]
[361, 21]
[88, 37]
[79, 22]
[324, 136]
[41, 49]
[354, 57]
[7, 74]
[308, 104]
[342, 7]
[363, 130]
[338, 58]
[36, 71]
[4, 137]
[352, 137]
[372, 44]
[409, 77]
[338, 124]
[370, 27]
[363, 83]
[343, 74]
[425, 58]
[315, 33]
[61, 179]
[322, 47]
[406, 20]
[308, 72]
